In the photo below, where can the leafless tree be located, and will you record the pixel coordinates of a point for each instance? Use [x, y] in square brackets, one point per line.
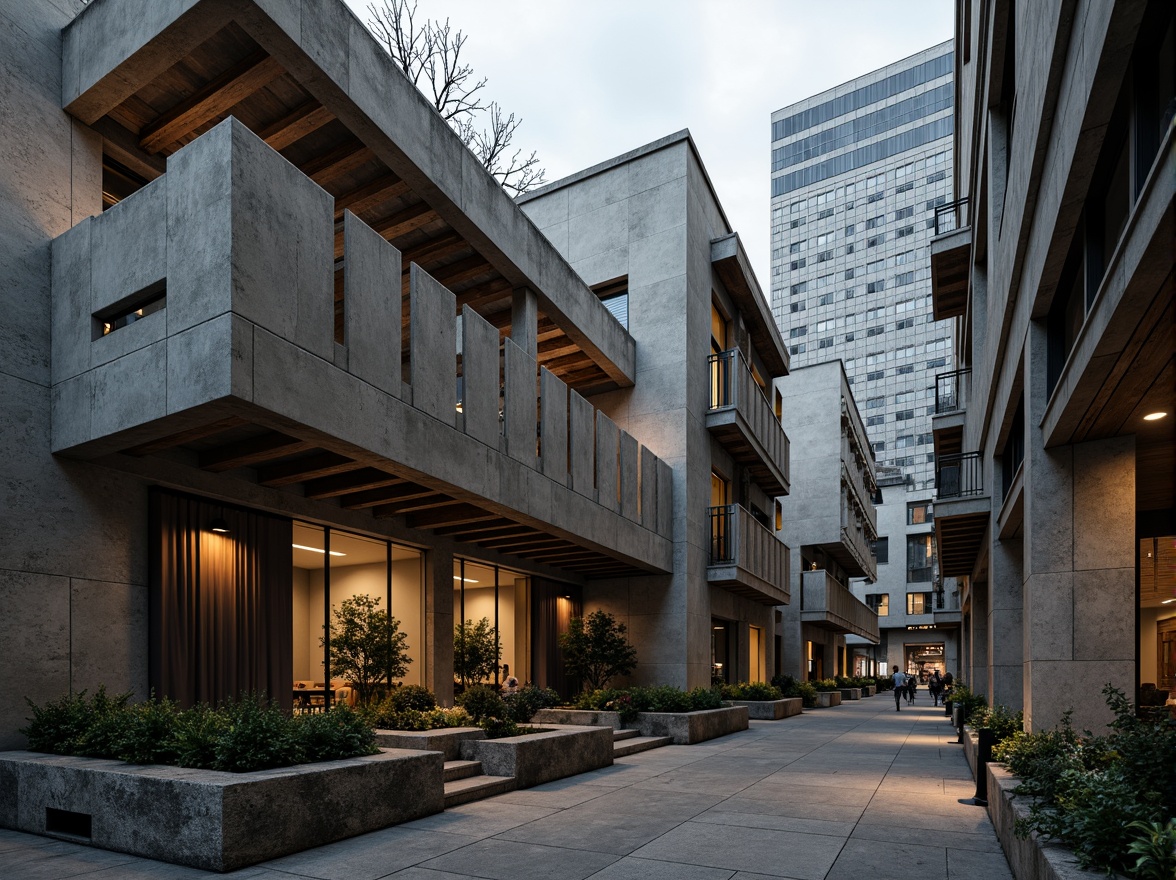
[429, 53]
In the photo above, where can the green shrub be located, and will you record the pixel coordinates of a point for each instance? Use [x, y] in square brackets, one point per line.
[808, 693]
[146, 733]
[609, 700]
[1002, 722]
[257, 736]
[497, 728]
[411, 696]
[754, 690]
[596, 649]
[657, 698]
[883, 683]
[962, 696]
[1154, 847]
[482, 702]
[522, 705]
[334, 734]
[73, 725]
[826, 684]
[196, 734]
[792, 687]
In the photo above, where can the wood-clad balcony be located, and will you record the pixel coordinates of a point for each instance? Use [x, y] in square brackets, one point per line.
[962, 511]
[950, 250]
[826, 603]
[746, 557]
[746, 423]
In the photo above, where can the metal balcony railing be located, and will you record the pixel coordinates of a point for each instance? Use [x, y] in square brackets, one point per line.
[952, 216]
[951, 391]
[734, 389]
[722, 532]
[959, 475]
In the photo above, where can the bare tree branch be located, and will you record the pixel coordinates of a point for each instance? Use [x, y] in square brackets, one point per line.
[429, 53]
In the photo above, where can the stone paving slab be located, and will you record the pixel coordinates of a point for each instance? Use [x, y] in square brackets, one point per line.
[845, 794]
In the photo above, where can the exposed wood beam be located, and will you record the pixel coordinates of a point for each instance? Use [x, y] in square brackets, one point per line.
[182, 437]
[400, 508]
[569, 553]
[255, 450]
[450, 515]
[533, 540]
[471, 534]
[500, 523]
[386, 495]
[463, 270]
[295, 125]
[344, 159]
[341, 484]
[123, 146]
[386, 186]
[405, 221]
[438, 248]
[219, 95]
[321, 464]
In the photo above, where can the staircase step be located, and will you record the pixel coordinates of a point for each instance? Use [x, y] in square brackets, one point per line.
[619, 735]
[475, 788]
[633, 745]
[462, 769]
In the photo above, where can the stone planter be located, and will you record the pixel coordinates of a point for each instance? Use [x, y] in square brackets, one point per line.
[869, 690]
[684, 728]
[447, 740]
[535, 758]
[210, 819]
[851, 693]
[825, 699]
[1031, 858]
[770, 710]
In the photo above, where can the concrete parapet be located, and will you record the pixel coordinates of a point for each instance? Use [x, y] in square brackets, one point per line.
[771, 710]
[535, 758]
[446, 740]
[825, 699]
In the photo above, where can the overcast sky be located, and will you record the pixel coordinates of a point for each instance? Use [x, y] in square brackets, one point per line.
[595, 79]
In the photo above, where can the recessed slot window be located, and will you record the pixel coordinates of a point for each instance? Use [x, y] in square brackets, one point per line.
[146, 302]
[67, 822]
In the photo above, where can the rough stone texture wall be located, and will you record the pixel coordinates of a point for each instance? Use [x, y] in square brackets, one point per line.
[72, 579]
[535, 758]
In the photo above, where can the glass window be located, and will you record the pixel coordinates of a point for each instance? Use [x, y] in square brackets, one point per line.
[494, 604]
[920, 558]
[880, 602]
[882, 550]
[919, 513]
[919, 603]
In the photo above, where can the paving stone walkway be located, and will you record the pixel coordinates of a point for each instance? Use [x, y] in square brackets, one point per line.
[856, 792]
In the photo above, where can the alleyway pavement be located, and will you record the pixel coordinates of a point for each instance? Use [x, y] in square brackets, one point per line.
[856, 792]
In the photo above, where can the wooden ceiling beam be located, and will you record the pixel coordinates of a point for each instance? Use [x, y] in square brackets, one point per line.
[321, 464]
[385, 187]
[537, 541]
[354, 481]
[374, 497]
[463, 270]
[344, 159]
[439, 248]
[405, 221]
[253, 451]
[501, 523]
[307, 117]
[457, 512]
[472, 533]
[218, 96]
[181, 437]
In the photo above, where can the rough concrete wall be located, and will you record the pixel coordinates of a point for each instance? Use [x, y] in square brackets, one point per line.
[72, 572]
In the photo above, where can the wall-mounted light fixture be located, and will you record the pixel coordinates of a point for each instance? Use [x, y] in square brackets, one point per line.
[1154, 417]
[219, 526]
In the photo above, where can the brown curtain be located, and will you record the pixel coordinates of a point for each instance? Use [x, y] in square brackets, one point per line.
[555, 604]
[220, 605]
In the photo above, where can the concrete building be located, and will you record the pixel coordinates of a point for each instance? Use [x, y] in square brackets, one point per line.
[275, 340]
[857, 174]
[828, 521]
[1056, 458]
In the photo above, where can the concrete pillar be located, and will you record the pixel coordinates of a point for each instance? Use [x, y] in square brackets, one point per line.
[1004, 632]
[1079, 560]
[524, 320]
[976, 666]
[438, 653]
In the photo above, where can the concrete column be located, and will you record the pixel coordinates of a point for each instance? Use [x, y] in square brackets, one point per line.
[1079, 592]
[438, 653]
[976, 664]
[524, 320]
[1004, 633]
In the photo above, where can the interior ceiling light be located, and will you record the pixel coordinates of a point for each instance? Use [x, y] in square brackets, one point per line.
[219, 526]
[1154, 417]
[1168, 601]
[316, 549]
[467, 580]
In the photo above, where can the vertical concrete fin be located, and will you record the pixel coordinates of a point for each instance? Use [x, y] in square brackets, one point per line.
[519, 402]
[432, 346]
[648, 479]
[553, 430]
[72, 326]
[582, 444]
[479, 378]
[607, 442]
[373, 305]
[665, 499]
[628, 466]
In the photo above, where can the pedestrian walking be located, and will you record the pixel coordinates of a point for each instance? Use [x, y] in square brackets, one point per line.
[935, 686]
[899, 687]
[912, 685]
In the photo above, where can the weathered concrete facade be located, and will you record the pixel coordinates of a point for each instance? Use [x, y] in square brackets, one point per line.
[1059, 274]
[649, 222]
[828, 521]
[323, 309]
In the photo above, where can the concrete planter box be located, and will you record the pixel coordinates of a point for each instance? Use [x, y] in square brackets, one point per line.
[214, 820]
[771, 710]
[535, 758]
[825, 699]
[851, 693]
[1031, 858]
[447, 740]
[869, 690]
[684, 728]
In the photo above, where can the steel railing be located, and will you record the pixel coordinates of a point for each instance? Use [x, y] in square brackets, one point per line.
[952, 216]
[959, 475]
[951, 391]
[722, 532]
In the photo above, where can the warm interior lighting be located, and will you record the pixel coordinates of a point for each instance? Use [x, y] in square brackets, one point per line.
[1154, 417]
[219, 526]
[1168, 601]
[467, 580]
[316, 549]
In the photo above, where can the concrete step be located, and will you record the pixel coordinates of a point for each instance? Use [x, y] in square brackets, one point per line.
[475, 788]
[619, 735]
[462, 769]
[633, 745]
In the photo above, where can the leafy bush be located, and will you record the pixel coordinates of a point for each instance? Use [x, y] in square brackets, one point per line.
[754, 690]
[329, 736]
[497, 728]
[367, 647]
[962, 696]
[522, 705]
[1000, 720]
[476, 651]
[257, 736]
[883, 683]
[196, 734]
[792, 687]
[826, 684]
[412, 696]
[658, 698]
[597, 650]
[482, 702]
[609, 700]
[383, 717]
[1089, 789]
[147, 733]
[73, 725]
[852, 681]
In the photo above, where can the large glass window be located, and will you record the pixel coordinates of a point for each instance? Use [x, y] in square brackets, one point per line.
[491, 640]
[919, 603]
[920, 556]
